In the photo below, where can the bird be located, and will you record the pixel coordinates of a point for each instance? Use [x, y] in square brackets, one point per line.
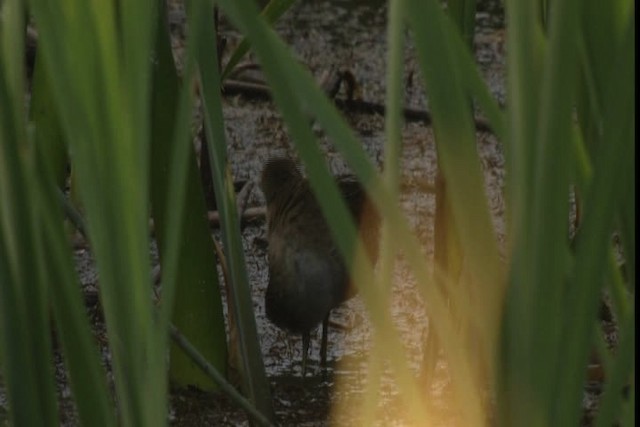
[307, 274]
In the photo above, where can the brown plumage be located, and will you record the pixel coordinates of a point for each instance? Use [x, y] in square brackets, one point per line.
[307, 275]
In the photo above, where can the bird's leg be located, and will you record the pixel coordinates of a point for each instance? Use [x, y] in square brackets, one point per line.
[323, 343]
[305, 351]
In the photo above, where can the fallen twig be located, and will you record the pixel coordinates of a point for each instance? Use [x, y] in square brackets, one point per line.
[262, 92]
[248, 215]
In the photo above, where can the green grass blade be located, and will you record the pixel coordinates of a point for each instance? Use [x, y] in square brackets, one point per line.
[49, 138]
[547, 242]
[394, 97]
[25, 330]
[93, 99]
[524, 66]
[86, 375]
[457, 156]
[190, 293]
[463, 14]
[475, 84]
[393, 139]
[255, 382]
[271, 12]
[525, 45]
[605, 189]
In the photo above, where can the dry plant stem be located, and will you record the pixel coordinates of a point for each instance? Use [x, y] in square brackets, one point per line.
[235, 373]
[243, 196]
[261, 91]
[241, 68]
[233, 357]
[258, 212]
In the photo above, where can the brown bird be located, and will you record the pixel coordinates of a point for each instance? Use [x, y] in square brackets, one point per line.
[307, 274]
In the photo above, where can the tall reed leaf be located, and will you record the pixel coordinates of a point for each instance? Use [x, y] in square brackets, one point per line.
[255, 382]
[25, 337]
[101, 101]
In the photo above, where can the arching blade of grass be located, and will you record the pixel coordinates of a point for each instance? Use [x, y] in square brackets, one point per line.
[602, 27]
[86, 375]
[102, 105]
[255, 383]
[541, 254]
[463, 14]
[49, 138]
[520, 363]
[25, 337]
[482, 275]
[190, 289]
[601, 201]
[548, 289]
[393, 135]
[271, 12]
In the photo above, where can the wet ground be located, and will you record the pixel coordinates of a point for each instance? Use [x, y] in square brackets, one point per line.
[343, 35]
[346, 36]
[350, 35]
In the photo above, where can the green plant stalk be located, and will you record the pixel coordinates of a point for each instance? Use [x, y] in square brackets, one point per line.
[602, 194]
[82, 360]
[546, 268]
[393, 138]
[49, 138]
[394, 96]
[448, 252]
[524, 63]
[525, 45]
[182, 231]
[463, 14]
[26, 350]
[86, 376]
[110, 158]
[391, 174]
[457, 156]
[597, 61]
[391, 178]
[255, 382]
[271, 12]
[25, 337]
